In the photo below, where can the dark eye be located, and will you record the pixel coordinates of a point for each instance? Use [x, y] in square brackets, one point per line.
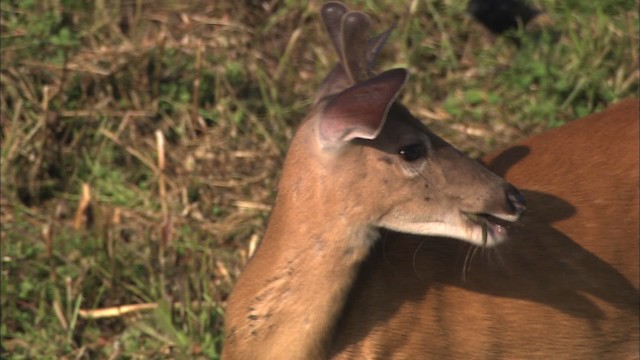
[412, 152]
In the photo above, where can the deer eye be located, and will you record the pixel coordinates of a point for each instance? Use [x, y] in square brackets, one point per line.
[412, 152]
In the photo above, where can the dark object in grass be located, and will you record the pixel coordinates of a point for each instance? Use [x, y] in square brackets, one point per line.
[500, 16]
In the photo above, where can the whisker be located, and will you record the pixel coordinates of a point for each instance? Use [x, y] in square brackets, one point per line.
[466, 266]
[413, 264]
[484, 234]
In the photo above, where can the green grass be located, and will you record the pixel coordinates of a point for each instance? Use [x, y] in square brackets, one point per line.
[85, 86]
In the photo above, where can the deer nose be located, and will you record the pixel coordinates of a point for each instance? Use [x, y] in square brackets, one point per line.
[516, 200]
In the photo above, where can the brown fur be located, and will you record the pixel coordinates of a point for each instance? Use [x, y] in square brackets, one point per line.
[330, 201]
[565, 286]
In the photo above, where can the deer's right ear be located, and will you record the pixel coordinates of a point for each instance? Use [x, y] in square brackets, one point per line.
[359, 112]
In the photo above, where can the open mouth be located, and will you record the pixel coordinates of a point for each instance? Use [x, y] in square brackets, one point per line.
[492, 227]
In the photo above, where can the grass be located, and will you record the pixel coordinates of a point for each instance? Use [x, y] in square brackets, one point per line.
[174, 118]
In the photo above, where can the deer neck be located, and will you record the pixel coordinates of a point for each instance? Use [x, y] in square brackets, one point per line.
[302, 273]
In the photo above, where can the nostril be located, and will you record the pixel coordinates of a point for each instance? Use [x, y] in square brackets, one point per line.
[516, 199]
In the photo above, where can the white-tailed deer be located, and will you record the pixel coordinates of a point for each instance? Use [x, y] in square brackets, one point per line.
[564, 286]
[338, 276]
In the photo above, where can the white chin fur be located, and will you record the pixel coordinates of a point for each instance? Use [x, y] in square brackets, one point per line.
[471, 233]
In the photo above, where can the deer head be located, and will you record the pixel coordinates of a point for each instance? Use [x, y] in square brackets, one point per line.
[359, 162]
[369, 153]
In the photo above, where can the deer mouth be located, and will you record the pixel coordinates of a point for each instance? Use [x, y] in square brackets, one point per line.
[494, 230]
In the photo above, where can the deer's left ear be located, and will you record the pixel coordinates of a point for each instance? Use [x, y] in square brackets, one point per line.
[359, 112]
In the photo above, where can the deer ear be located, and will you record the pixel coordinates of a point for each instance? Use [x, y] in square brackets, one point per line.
[359, 112]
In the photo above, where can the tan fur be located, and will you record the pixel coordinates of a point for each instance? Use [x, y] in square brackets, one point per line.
[331, 200]
[327, 282]
[565, 286]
